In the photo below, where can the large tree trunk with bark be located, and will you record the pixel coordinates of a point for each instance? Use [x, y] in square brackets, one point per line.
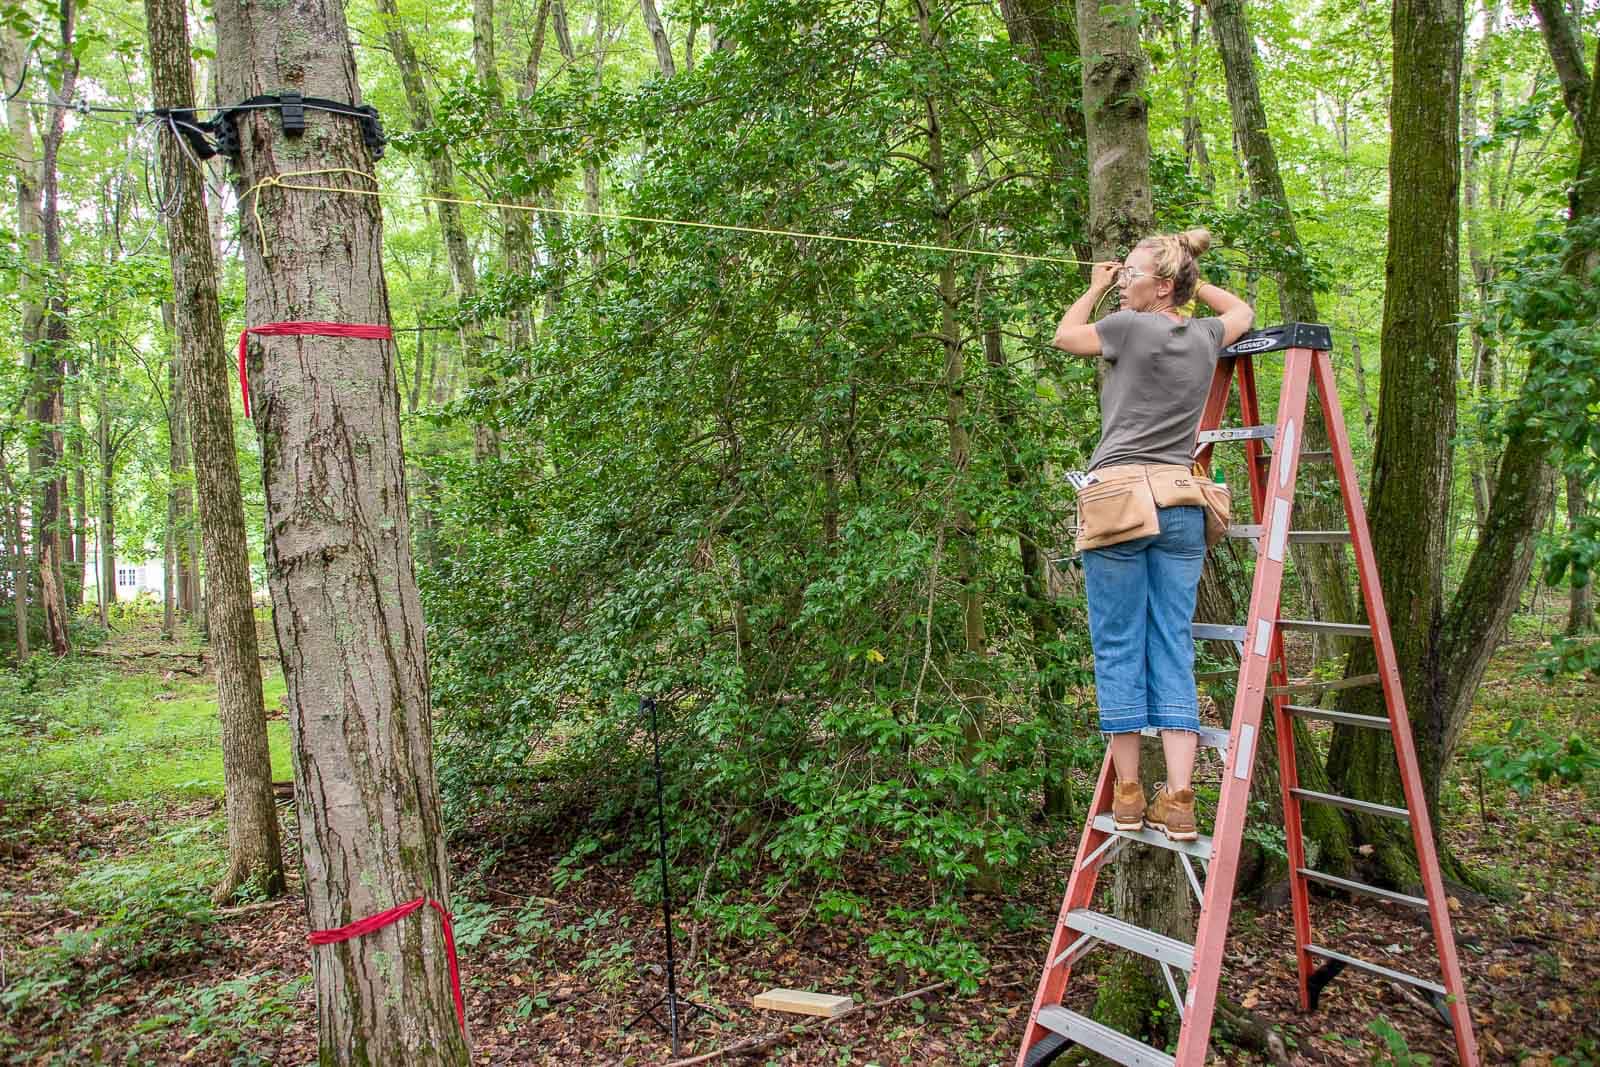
[1580, 601]
[1148, 888]
[347, 612]
[20, 565]
[255, 852]
[1411, 472]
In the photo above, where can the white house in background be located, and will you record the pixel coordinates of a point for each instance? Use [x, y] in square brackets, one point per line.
[134, 579]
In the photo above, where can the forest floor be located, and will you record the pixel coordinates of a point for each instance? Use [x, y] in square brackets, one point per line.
[111, 832]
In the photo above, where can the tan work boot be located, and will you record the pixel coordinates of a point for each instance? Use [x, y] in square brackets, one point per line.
[1174, 813]
[1127, 806]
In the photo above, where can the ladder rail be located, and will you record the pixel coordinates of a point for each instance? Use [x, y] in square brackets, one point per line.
[1395, 700]
[1276, 497]
[1080, 889]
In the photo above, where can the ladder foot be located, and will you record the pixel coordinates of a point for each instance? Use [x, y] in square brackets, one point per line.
[1047, 1051]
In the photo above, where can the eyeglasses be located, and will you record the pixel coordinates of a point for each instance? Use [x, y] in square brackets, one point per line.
[1126, 276]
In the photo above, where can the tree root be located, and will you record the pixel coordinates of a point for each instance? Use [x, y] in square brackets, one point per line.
[1245, 1028]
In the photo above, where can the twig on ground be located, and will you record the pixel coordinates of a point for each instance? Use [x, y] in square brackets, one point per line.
[751, 1044]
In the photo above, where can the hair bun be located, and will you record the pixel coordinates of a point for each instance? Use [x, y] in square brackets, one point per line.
[1196, 241]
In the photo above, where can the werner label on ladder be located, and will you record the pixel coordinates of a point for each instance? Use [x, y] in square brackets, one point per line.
[1263, 682]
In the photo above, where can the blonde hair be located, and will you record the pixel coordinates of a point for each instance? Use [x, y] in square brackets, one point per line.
[1175, 255]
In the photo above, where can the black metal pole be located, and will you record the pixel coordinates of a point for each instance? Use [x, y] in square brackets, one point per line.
[666, 887]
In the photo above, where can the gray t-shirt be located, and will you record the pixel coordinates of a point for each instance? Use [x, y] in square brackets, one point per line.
[1155, 386]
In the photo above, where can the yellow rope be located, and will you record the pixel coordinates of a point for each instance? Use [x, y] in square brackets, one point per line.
[282, 181]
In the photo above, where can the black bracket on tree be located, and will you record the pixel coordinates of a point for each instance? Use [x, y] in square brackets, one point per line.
[219, 135]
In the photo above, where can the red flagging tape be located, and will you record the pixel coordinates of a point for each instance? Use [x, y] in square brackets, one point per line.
[377, 922]
[313, 329]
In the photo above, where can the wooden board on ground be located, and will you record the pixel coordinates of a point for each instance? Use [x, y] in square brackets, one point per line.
[802, 1003]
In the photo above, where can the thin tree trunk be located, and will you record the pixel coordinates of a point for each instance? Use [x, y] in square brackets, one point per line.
[442, 183]
[80, 512]
[1565, 45]
[255, 853]
[346, 608]
[50, 371]
[187, 599]
[591, 169]
[1197, 160]
[108, 518]
[1323, 569]
[665, 65]
[16, 534]
[1580, 603]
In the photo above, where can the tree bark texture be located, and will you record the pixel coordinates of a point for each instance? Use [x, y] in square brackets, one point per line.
[665, 63]
[50, 363]
[255, 853]
[346, 609]
[1148, 888]
[1411, 469]
[1323, 569]
[15, 534]
[1580, 601]
[1562, 40]
[1116, 129]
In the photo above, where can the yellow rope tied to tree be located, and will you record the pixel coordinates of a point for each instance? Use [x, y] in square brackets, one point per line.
[286, 181]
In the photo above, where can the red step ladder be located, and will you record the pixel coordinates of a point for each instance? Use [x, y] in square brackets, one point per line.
[1263, 679]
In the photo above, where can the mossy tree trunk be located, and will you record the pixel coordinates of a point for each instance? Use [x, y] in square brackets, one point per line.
[346, 608]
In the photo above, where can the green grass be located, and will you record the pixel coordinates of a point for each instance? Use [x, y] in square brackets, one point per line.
[106, 737]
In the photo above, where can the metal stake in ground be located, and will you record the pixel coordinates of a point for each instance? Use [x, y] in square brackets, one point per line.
[670, 997]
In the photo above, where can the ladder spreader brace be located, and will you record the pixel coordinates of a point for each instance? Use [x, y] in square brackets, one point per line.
[1262, 679]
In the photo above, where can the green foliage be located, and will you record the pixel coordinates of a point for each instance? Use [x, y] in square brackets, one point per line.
[1529, 757]
[1397, 1052]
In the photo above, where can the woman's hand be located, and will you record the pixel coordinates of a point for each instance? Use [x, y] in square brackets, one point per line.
[1104, 276]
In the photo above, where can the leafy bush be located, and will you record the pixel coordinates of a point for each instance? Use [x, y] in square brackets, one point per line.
[1529, 757]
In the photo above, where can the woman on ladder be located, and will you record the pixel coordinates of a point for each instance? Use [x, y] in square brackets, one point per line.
[1142, 519]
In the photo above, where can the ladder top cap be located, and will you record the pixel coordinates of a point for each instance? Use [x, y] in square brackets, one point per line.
[1289, 335]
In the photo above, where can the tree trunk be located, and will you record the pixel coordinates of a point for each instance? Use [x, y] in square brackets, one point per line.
[591, 169]
[1580, 603]
[108, 518]
[1196, 158]
[346, 609]
[15, 533]
[80, 511]
[187, 600]
[1481, 380]
[1411, 473]
[1323, 569]
[1148, 888]
[255, 852]
[51, 368]
[1565, 46]
[169, 567]
[658, 36]
[442, 183]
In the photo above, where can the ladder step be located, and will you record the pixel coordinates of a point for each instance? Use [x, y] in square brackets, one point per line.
[1317, 685]
[1353, 804]
[1312, 456]
[1375, 968]
[1238, 433]
[1362, 887]
[1133, 938]
[1199, 849]
[1252, 532]
[1336, 629]
[1210, 631]
[1114, 1045]
[1210, 736]
[1371, 722]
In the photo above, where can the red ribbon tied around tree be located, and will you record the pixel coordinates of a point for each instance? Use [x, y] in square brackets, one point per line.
[367, 331]
[371, 923]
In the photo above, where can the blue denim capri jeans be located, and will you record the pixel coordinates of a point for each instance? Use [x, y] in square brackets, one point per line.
[1141, 607]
